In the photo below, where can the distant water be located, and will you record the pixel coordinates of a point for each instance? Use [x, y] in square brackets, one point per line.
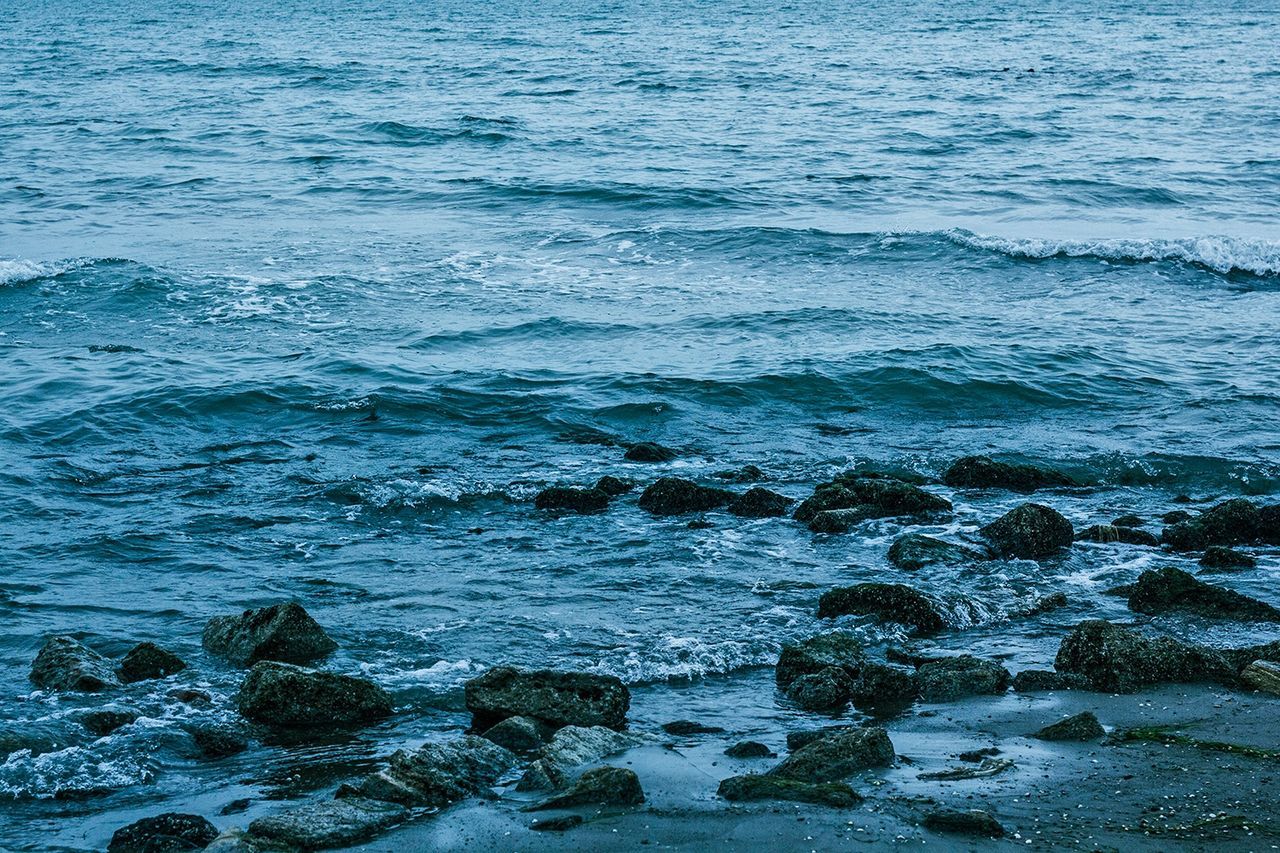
[307, 300]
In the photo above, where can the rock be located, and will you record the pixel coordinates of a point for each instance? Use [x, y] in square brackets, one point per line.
[755, 787]
[760, 503]
[952, 678]
[614, 486]
[647, 451]
[1128, 521]
[436, 774]
[1082, 727]
[104, 721]
[146, 661]
[799, 740]
[542, 775]
[1113, 659]
[749, 749]
[1030, 680]
[1029, 532]
[330, 823]
[521, 735]
[840, 520]
[603, 786]
[1269, 524]
[887, 602]
[1047, 603]
[683, 728]
[1229, 523]
[971, 822]
[838, 756]
[745, 474]
[977, 756]
[189, 696]
[816, 654]
[884, 686]
[65, 664]
[1221, 557]
[568, 498]
[560, 823]
[281, 632]
[1110, 533]
[217, 741]
[576, 745]
[988, 767]
[914, 551]
[282, 694]
[823, 691]
[163, 833]
[983, 472]
[1176, 517]
[236, 840]
[867, 497]
[1263, 675]
[700, 524]
[675, 496]
[552, 696]
[1169, 589]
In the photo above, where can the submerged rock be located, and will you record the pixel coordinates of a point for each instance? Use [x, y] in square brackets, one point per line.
[282, 694]
[1111, 533]
[816, 654]
[823, 691]
[554, 696]
[163, 833]
[1221, 557]
[614, 486]
[1263, 675]
[571, 499]
[887, 602]
[914, 551]
[281, 632]
[65, 664]
[103, 721]
[603, 786]
[745, 474]
[1169, 589]
[648, 451]
[1029, 532]
[760, 503]
[436, 774]
[519, 734]
[838, 755]
[1229, 523]
[755, 787]
[676, 496]
[971, 822]
[1176, 516]
[854, 498]
[330, 823]
[683, 728]
[749, 749]
[1113, 659]
[953, 678]
[983, 472]
[146, 661]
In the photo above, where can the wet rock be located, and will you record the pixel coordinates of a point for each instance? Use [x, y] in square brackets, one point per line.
[614, 486]
[553, 696]
[1229, 523]
[576, 745]
[755, 787]
[972, 822]
[217, 741]
[65, 664]
[910, 657]
[189, 696]
[330, 823]
[282, 694]
[104, 721]
[1047, 603]
[838, 756]
[760, 503]
[1128, 521]
[281, 632]
[749, 749]
[840, 520]
[915, 551]
[1032, 680]
[1082, 727]
[977, 756]
[560, 823]
[1263, 675]
[237, 806]
[953, 678]
[676, 496]
[817, 653]
[700, 524]
[823, 691]
[883, 686]
[236, 840]
[521, 735]
[745, 474]
[1113, 659]
[1029, 532]
[1269, 524]
[163, 833]
[1220, 557]
[436, 774]
[146, 661]
[542, 775]
[1169, 589]
[1177, 516]
[983, 472]
[571, 499]
[799, 740]
[887, 602]
[648, 451]
[854, 498]
[1110, 533]
[603, 786]
[683, 728]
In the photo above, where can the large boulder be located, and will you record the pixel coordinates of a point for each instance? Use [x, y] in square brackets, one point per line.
[282, 694]
[1113, 659]
[1169, 589]
[330, 823]
[146, 661]
[983, 472]
[602, 786]
[436, 774]
[754, 787]
[676, 496]
[838, 755]
[553, 696]
[866, 497]
[570, 499]
[760, 503]
[1029, 532]
[1107, 533]
[163, 833]
[1229, 523]
[281, 632]
[915, 551]
[887, 602]
[65, 664]
[816, 654]
[953, 678]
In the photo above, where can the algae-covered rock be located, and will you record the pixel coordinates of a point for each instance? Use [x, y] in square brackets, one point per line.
[760, 503]
[1169, 589]
[68, 665]
[838, 756]
[914, 551]
[572, 499]
[1221, 557]
[1263, 675]
[146, 661]
[281, 632]
[953, 678]
[519, 734]
[823, 691]
[1029, 532]
[1080, 727]
[614, 486]
[1106, 533]
[1231, 522]
[163, 833]
[887, 602]
[749, 749]
[1113, 659]
[648, 451]
[817, 653]
[557, 697]
[282, 694]
[756, 787]
[676, 496]
[868, 497]
[983, 472]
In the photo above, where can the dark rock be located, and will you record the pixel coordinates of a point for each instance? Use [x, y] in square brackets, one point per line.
[838, 756]
[561, 823]
[840, 520]
[1220, 557]
[683, 728]
[972, 822]
[64, 664]
[647, 451]
[823, 691]
[882, 686]
[614, 486]
[1082, 727]
[1047, 603]
[436, 774]
[281, 632]
[887, 602]
[1030, 680]
[983, 472]
[329, 823]
[521, 735]
[1176, 517]
[146, 661]
[236, 840]
[1113, 659]
[542, 775]
[189, 696]
[675, 496]
[286, 695]
[799, 740]
[1128, 521]
[1169, 589]
[104, 721]
[818, 653]
[163, 833]
[570, 499]
[749, 749]
[1269, 524]
[553, 696]
[910, 657]
[1110, 533]
[1123, 590]
[977, 756]
[217, 741]
[1029, 532]
[915, 551]
[236, 806]
[856, 498]
[754, 787]
[745, 474]
[760, 503]
[700, 524]
[603, 786]
[953, 678]
[1229, 523]
[1263, 675]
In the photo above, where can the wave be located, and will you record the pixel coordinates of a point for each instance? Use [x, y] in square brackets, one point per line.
[14, 271]
[687, 658]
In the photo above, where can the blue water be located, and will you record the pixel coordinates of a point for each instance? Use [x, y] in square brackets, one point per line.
[296, 296]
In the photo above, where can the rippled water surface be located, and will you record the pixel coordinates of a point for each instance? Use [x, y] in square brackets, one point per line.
[307, 300]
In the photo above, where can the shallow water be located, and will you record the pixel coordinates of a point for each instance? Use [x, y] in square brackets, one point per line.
[292, 301]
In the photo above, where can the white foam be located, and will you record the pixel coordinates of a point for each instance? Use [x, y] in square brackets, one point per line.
[22, 270]
[74, 770]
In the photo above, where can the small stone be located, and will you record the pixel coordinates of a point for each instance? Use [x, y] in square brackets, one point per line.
[749, 749]
[104, 721]
[281, 632]
[163, 833]
[648, 451]
[1029, 532]
[570, 499]
[65, 664]
[1047, 603]
[676, 496]
[146, 661]
[755, 787]
[286, 695]
[761, 503]
[683, 728]
[330, 823]
[561, 823]
[972, 822]
[603, 786]
[1082, 727]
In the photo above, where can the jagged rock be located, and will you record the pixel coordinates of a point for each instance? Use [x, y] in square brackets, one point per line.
[65, 664]
[1263, 675]
[887, 602]
[983, 472]
[1113, 659]
[104, 721]
[838, 756]
[217, 741]
[1047, 603]
[603, 786]
[236, 840]
[1030, 680]
[745, 474]
[330, 823]
[676, 496]
[914, 551]
[281, 632]
[1169, 589]
[884, 686]
[952, 678]
[971, 822]
[553, 696]
[560, 823]
[1106, 533]
[648, 451]
[286, 695]
[910, 657]
[817, 653]
[1229, 523]
[1029, 532]
[823, 691]
[576, 745]
[853, 498]
[521, 735]
[146, 661]
[1082, 727]
[614, 486]
[1221, 557]
[755, 787]
[749, 749]
[1241, 658]
[436, 774]
[542, 775]
[163, 833]
[799, 740]
[683, 728]
[571, 499]
[760, 503]
[1128, 521]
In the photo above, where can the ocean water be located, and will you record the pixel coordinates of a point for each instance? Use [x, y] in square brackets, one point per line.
[307, 301]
